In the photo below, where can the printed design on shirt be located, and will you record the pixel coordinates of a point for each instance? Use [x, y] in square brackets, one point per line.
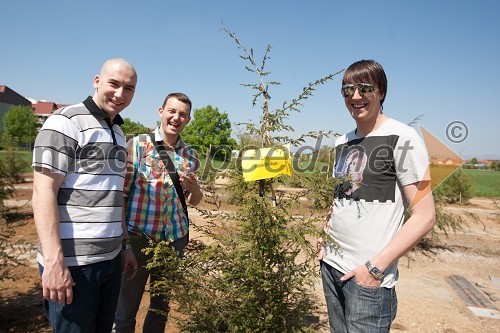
[352, 167]
[367, 169]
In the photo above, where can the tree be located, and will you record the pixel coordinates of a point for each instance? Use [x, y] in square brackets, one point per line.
[248, 140]
[457, 188]
[474, 161]
[258, 271]
[19, 125]
[325, 154]
[132, 128]
[209, 128]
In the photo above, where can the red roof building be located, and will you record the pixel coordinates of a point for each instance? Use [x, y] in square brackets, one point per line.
[41, 109]
[44, 108]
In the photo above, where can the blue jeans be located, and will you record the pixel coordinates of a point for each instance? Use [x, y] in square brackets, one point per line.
[131, 293]
[353, 308]
[95, 296]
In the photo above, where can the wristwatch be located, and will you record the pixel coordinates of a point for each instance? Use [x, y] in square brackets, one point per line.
[374, 271]
[126, 244]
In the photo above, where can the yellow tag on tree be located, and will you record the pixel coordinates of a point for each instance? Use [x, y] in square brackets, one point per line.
[266, 163]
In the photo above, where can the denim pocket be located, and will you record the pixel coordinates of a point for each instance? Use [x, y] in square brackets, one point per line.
[370, 308]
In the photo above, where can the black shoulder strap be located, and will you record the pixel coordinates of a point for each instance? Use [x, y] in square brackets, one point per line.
[160, 148]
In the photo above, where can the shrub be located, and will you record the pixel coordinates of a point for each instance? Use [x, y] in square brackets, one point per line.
[457, 188]
[257, 273]
[7, 261]
[321, 190]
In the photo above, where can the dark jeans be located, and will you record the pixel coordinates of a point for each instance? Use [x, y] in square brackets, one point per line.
[353, 308]
[95, 296]
[131, 293]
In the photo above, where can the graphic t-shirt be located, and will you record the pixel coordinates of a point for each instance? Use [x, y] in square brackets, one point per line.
[369, 204]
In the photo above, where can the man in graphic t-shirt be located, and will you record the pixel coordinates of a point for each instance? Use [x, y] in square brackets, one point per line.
[383, 166]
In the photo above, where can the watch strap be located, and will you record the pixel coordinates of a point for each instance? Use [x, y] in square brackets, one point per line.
[374, 270]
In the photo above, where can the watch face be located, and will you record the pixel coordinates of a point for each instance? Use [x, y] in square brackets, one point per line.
[376, 272]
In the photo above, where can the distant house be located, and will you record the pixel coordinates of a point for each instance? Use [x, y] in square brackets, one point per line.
[43, 110]
[445, 161]
[9, 98]
[481, 164]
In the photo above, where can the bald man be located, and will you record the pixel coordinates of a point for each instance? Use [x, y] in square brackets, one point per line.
[79, 168]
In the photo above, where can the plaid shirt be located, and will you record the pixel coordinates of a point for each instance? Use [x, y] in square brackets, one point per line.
[154, 207]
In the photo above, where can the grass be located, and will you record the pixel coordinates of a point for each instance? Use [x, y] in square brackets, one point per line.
[25, 156]
[485, 183]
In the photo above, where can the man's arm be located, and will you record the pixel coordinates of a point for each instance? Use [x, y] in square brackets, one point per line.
[57, 282]
[422, 220]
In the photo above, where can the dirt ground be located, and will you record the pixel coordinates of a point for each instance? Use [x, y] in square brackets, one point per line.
[427, 300]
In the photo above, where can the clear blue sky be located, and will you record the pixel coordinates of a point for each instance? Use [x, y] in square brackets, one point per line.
[441, 57]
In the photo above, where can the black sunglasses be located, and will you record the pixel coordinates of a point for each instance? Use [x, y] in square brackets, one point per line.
[365, 89]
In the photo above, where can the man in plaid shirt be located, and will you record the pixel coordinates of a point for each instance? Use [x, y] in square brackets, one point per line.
[153, 207]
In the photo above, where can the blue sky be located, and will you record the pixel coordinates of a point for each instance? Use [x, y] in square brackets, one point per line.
[441, 57]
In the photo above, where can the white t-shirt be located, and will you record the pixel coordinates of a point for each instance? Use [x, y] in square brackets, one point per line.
[369, 205]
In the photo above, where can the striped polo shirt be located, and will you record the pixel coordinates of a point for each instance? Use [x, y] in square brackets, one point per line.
[81, 143]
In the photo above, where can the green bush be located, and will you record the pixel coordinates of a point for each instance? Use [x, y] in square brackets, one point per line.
[258, 270]
[321, 190]
[256, 277]
[457, 188]
[6, 184]
[7, 261]
[297, 180]
[16, 162]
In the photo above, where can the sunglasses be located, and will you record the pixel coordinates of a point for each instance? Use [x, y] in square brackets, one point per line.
[365, 89]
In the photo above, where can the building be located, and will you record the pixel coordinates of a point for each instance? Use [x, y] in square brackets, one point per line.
[481, 164]
[41, 109]
[8, 98]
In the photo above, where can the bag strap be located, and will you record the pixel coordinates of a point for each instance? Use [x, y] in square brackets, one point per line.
[172, 172]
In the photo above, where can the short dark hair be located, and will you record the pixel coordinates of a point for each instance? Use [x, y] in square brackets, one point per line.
[367, 71]
[180, 97]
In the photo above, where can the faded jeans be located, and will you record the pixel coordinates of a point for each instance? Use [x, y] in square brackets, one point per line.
[353, 308]
[131, 294]
[94, 299]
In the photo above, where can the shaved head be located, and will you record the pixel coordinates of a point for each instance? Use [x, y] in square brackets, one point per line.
[115, 86]
[118, 64]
